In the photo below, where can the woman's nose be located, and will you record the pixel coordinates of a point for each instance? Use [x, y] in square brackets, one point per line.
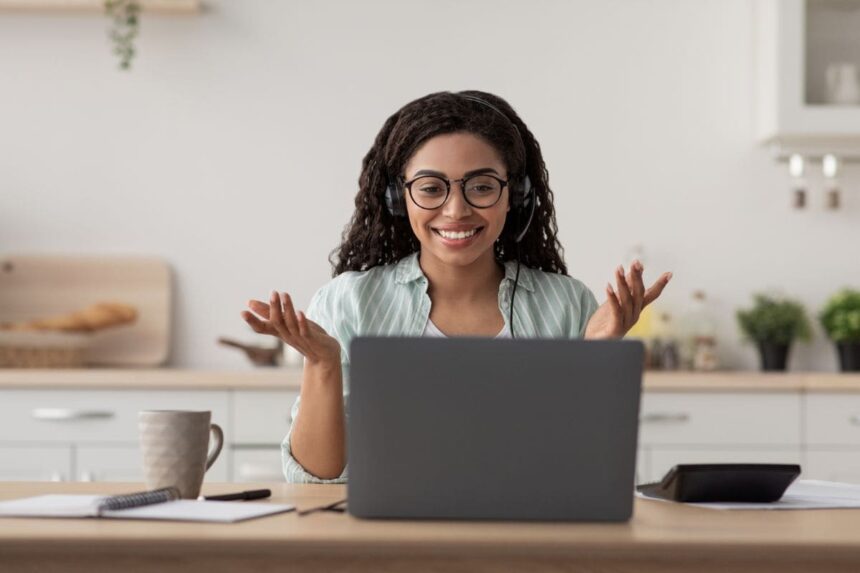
[456, 206]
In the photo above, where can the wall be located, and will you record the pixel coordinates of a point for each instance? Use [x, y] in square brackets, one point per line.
[232, 148]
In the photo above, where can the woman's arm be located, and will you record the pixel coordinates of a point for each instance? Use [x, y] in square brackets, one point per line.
[318, 435]
[317, 441]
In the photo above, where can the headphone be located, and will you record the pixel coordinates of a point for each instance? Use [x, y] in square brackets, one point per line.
[522, 193]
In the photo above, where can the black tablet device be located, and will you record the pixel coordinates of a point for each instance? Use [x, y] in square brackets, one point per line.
[723, 482]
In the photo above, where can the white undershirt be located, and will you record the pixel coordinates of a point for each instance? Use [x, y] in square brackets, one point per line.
[432, 330]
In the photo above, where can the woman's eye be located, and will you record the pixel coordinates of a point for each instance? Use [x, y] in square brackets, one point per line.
[430, 190]
[482, 188]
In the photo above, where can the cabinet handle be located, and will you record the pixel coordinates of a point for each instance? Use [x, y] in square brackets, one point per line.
[62, 414]
[665, 418]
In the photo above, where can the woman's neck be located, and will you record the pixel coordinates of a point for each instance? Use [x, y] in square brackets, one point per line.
[462, 284]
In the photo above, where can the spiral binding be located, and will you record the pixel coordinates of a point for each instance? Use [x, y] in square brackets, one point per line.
[138, 499]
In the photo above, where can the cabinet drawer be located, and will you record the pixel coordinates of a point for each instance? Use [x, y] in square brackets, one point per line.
[95, 415]
[833, 419]
[720, 418]
[262, 417]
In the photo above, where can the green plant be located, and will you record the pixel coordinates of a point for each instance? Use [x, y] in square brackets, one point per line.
[773, 319]
[841, 316]
[126, 25]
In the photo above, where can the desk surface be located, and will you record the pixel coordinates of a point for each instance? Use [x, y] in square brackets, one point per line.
[660, 537]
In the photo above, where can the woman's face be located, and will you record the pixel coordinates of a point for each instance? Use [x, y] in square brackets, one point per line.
[456, 156]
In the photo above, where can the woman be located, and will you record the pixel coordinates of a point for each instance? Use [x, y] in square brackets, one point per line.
[454, 214]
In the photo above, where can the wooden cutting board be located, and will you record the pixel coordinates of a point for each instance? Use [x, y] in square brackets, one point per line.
[39, 286]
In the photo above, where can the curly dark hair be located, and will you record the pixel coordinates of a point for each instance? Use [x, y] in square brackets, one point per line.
[375, 237]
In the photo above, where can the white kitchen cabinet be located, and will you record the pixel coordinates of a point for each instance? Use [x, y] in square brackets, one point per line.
[257, 464]
[101, 415]
[796, 41]
[720, 427]
[29, 462]
[724, 418]
[261, 416]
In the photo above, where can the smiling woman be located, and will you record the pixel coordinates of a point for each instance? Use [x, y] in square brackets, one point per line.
[454, 213]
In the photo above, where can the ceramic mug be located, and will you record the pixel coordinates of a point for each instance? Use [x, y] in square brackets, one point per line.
[175, 445]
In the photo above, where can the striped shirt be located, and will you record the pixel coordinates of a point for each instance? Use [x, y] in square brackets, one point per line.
[392, 300]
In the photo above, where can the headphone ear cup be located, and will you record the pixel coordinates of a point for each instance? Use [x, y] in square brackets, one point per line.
[527, 192]
[521, 193]
[394, 201]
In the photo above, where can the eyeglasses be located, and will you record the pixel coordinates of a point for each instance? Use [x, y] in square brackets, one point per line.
[431, 192]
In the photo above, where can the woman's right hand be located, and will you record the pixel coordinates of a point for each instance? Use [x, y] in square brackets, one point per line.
[280, 319]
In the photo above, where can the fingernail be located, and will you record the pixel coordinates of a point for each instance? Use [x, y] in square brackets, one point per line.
[274, 294]
[620, 269]
[668, 277]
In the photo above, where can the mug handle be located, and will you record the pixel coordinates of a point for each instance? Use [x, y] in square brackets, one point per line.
[219, 439]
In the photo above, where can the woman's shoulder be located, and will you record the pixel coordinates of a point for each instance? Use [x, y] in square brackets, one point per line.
[353, 286]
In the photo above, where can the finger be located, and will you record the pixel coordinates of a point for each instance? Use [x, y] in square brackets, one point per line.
[652, 293]
[276, 316]
[638, 288]
[614, 304]
[256, 324]
[290, 314]
[303, 324]
[623, 292]
[259, 307]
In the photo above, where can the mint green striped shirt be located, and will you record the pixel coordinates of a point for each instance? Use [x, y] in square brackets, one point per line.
[392, 300]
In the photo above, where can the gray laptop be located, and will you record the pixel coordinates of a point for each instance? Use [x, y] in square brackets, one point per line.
[482, 428]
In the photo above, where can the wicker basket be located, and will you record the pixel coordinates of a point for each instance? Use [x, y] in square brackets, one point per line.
[43, 349]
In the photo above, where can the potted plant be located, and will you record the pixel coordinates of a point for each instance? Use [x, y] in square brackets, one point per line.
[841, 320]
[773, 323]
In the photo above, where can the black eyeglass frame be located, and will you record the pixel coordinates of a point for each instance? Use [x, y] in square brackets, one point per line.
[408, 185]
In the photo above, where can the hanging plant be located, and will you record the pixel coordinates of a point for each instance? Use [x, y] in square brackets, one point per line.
[125, 26]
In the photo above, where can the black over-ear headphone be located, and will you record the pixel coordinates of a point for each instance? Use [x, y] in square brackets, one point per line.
[522, 193]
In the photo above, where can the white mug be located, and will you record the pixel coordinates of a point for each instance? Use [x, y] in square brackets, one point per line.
[175, 444]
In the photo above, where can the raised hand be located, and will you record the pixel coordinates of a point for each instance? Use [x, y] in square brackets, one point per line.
[622, 308]
[278, 318]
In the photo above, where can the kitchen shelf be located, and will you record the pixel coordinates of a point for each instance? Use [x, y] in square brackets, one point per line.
[148, 6]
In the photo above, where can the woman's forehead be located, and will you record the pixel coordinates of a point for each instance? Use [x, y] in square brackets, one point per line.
[455, 154]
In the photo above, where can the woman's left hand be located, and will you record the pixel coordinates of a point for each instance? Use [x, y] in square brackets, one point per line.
[622, 308]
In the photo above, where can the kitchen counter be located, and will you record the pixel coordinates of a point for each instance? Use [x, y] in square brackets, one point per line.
[290, 379]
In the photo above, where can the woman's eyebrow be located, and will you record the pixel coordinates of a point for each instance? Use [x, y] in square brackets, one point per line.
[434, 173]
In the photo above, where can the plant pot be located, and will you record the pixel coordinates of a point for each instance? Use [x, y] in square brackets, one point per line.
[774, 356]
[849, 356]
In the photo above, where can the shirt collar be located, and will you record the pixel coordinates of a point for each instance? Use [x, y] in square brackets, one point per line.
[409, 270]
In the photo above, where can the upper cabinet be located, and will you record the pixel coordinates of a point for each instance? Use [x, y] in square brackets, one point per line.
[808, 76]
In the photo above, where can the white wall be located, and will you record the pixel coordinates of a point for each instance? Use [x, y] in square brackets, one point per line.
[233, 147]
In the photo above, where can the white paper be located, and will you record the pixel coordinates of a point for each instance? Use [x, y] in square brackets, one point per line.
[802, 494]
[179, 510]
[53, 505]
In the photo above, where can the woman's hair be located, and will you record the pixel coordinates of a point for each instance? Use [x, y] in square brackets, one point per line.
[376, 237]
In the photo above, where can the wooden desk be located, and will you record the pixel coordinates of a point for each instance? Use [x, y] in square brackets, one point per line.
[661, 537]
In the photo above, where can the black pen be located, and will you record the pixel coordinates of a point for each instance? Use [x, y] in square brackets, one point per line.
[242, 495]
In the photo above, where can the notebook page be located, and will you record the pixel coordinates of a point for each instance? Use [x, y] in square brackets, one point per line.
[193, 510]
[52, 505]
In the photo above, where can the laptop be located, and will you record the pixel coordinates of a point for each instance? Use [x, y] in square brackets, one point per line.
[493, 429]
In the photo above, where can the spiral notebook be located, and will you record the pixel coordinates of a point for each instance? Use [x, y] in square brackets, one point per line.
[143, 505]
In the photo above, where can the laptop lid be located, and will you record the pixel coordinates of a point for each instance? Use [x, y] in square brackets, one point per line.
[480, 428]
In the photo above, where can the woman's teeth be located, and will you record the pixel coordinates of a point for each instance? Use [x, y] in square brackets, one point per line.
[456, 235]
